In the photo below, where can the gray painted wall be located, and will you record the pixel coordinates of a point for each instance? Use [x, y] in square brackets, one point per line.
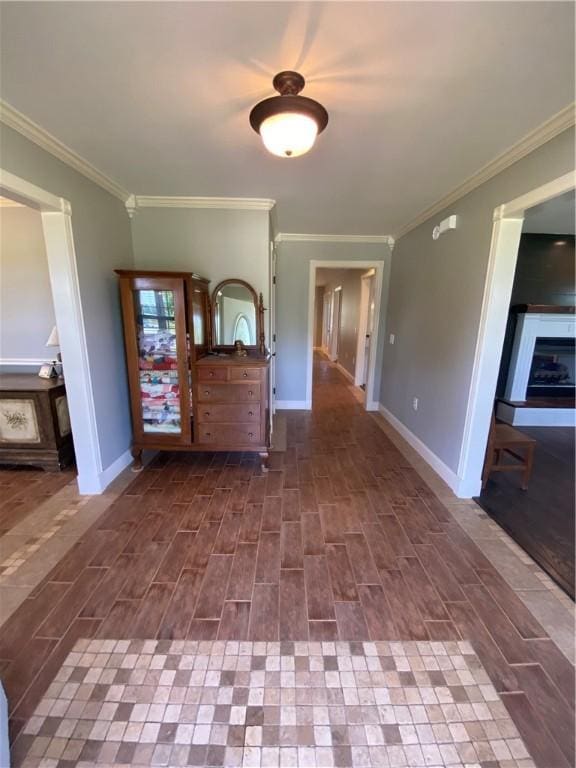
[102, 241]
[293, 273]
[216, 244]
[436, 290]
[26, 307]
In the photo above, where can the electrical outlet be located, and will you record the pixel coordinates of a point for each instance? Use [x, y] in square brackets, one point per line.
[415, 403]
[392, 338]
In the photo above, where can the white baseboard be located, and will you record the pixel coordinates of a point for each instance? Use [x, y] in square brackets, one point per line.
[293, 405]
[92, 485]
[372, 405]
[448, 475]
[536, 417]
[344, 372]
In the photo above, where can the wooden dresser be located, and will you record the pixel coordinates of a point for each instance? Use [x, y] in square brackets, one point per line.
[231, 402]
[34, 422]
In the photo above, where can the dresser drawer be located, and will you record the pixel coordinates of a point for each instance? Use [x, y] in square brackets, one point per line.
[211, 374]
[244, 374]
[228, 393]
[229, 434]
[229, 413]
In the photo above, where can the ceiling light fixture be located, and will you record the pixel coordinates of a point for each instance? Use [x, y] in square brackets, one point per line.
[289, 123]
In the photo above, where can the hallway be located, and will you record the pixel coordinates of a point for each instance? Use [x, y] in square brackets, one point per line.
[341, 541]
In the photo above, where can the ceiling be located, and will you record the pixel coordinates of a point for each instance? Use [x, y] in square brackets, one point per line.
[554, 217]
[157, 94]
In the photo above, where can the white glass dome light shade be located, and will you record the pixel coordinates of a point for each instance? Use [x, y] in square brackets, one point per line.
[289, 134]
[288, 124]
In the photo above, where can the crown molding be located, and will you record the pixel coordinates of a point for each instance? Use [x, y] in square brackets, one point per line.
[560, 122]
[135, 202]
[293, 237]
[6, 202]
[35, 133]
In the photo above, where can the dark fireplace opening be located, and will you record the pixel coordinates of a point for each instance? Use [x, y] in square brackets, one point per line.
[552, 373]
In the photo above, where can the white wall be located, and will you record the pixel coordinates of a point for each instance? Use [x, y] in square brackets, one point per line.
[435, 301]
[26, 307]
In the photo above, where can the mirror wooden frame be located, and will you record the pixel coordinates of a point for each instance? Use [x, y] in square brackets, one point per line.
[258, 310]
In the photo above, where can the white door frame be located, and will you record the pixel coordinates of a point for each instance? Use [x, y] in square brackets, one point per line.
[56, 214]
[326, 308]
[363, 328]
[506, 231]
[272, 343]
[336, 310]
[371, 398]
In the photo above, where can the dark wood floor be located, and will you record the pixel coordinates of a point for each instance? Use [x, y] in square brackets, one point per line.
[341, 539]
[541, 519]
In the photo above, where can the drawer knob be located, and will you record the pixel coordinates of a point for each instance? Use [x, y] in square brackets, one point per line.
[250, 413]
[206, 391]
[245, 374]
[250, 434]
[250, 392]
[206, 434]
[211, 373]
[206, 413]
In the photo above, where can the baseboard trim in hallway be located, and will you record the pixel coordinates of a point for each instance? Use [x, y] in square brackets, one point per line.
[293, 405]
[452, 480]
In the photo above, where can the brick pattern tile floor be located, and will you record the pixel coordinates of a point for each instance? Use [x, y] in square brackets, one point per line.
[180, 703]
[341, 540]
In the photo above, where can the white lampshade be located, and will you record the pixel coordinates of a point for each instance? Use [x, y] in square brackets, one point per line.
[53, 338]
[289, 134]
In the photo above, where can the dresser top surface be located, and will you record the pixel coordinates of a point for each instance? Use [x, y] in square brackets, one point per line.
[251, 359]
[27, 382]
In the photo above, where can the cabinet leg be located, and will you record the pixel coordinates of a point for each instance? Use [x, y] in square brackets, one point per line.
[137, 456]
[265, 459]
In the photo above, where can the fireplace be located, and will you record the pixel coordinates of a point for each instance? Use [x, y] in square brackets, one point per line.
[552, 370]
[540, 387]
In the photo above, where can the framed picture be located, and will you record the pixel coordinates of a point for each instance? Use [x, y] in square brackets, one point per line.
[18, 422]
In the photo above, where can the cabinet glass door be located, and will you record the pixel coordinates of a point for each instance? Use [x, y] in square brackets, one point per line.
[160, 385]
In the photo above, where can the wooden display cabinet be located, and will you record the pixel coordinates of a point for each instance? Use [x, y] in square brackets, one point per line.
[186, 392]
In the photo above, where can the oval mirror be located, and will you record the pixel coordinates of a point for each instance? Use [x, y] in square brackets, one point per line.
[234, 313]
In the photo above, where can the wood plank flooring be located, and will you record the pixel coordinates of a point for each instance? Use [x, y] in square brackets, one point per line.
[22, 490]
[540, 519]
[342, 539]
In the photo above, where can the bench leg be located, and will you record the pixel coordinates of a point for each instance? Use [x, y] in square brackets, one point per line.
[528, 467]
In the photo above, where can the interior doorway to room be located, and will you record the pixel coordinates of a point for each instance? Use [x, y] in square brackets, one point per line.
[34, 419]
[346, 314]
[535, 395]
[56, 226]
[335, 320]
[365, 329]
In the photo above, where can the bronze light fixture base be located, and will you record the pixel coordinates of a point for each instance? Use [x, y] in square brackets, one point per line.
[288, 84]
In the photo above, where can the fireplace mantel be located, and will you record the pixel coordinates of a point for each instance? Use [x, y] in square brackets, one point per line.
[543, 309]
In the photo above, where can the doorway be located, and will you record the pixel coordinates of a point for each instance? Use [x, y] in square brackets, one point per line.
[342, 323]
[56, 215]
[335, 323]
[535, 393]
[365, 329]
[506, 232]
